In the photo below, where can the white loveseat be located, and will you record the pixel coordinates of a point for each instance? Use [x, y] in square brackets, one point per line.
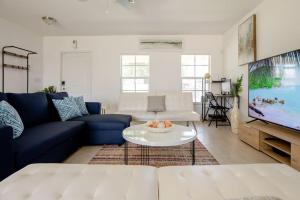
[179, 107]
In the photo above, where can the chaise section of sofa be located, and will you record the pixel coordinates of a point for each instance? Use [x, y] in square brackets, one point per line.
[105, 129]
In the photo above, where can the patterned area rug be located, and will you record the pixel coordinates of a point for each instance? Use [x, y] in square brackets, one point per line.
[166, 156]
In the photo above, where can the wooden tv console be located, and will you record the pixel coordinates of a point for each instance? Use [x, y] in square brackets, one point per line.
[278, 142]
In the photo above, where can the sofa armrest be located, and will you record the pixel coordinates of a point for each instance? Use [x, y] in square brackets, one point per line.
[6, 152]
[93, 107]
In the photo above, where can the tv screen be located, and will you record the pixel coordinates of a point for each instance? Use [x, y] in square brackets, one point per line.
[274, 90]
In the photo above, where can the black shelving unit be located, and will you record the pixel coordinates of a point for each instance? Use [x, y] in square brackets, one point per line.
[9, 51]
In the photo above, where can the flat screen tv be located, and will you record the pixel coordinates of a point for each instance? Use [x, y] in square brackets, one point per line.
[274, 90]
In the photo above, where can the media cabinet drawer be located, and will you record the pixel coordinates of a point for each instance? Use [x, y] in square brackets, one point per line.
[249, 135]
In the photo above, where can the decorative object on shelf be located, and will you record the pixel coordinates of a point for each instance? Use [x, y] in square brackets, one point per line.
[10, 52]
[247, 41]
[50, 89]
[161, 44]
[235, 112]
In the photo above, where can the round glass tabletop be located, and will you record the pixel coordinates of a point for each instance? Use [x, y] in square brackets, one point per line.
[178, 135]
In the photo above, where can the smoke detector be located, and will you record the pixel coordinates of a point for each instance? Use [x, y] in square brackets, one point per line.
[131, 1]
[49, 20]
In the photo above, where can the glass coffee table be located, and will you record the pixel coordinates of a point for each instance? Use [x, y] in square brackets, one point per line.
[140, 135]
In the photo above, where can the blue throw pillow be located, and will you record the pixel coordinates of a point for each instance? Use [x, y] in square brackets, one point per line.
[81, 104]
[10, 117]
[66, 108]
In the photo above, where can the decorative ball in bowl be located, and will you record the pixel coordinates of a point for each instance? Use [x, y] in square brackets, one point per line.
[157, 126]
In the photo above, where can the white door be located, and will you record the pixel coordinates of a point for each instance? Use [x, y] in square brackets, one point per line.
[76, 73]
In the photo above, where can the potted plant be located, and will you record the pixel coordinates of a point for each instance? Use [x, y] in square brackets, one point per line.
[234, 117]
[50, 89]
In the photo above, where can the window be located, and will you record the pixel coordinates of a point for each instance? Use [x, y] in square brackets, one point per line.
[135, 73]
[193, 69]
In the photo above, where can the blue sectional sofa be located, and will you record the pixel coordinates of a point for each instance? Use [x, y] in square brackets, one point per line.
[46, 139]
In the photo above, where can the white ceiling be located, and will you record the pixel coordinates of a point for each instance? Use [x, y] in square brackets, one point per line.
[111, 17]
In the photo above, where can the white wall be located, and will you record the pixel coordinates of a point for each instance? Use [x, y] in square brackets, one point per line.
[106, 51]
[278, 31]
[15, 80]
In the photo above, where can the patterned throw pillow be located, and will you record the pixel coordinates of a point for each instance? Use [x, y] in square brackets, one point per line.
[81, 104]
[10, 117]
[66, 108]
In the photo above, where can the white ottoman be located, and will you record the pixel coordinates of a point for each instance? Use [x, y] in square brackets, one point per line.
[81, 182]
[226, 182]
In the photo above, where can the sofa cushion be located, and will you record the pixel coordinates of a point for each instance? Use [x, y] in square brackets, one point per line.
[52, 110]
[32, 107]
[179, 101]
[156, 104]
[133, 102]
[109, 126]
[93, 107]
[178, 116]
[10, 117]
[39, 139]
[110, 118]
[66, 108]
[139, 116]
[3, 97]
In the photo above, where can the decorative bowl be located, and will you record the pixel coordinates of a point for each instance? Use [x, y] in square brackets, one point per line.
[157, 126]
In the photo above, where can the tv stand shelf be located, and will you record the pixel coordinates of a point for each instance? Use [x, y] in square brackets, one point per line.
[280, 143]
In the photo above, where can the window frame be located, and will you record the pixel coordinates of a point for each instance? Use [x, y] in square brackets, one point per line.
[195, 78]
[134, 77]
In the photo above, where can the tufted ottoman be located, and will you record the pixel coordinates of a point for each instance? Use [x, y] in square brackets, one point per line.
[229, 182]
[81, 182]
[119, 182]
